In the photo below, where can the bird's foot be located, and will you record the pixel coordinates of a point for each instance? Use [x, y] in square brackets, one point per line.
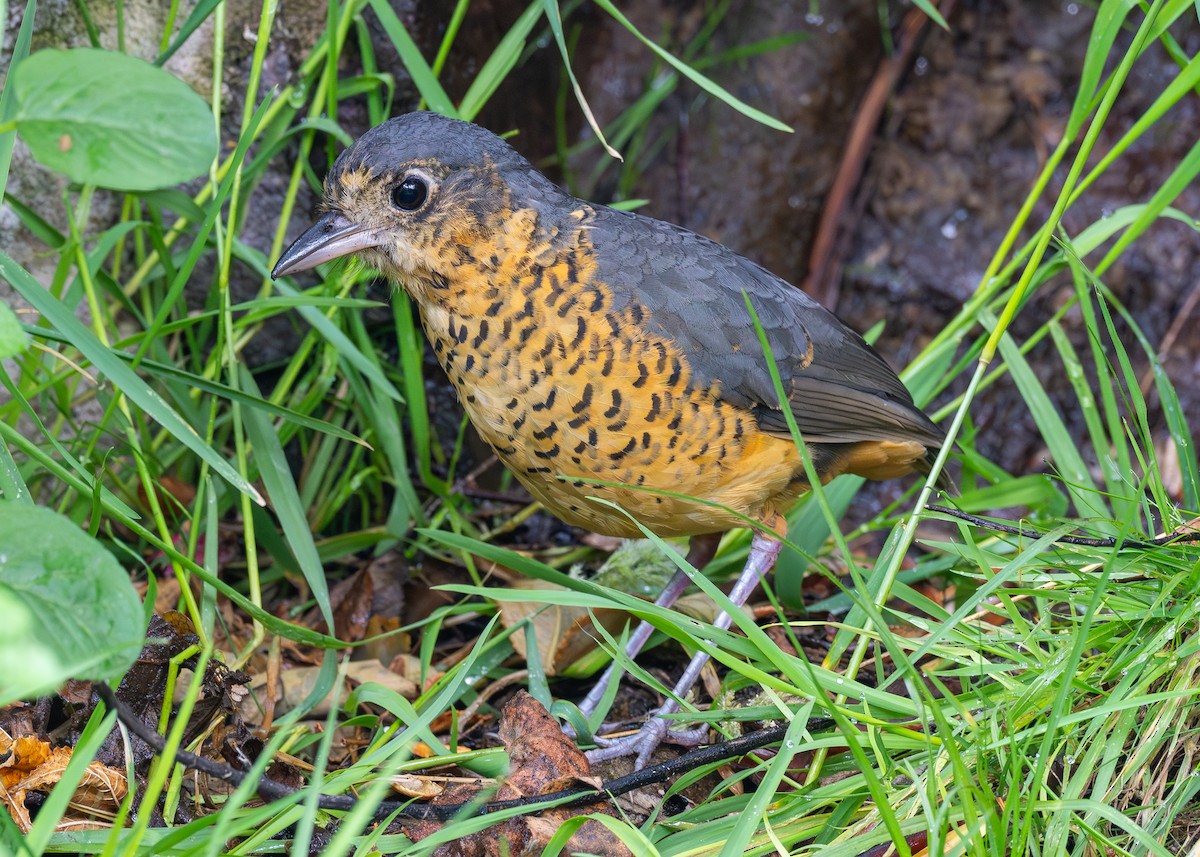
[645, 741]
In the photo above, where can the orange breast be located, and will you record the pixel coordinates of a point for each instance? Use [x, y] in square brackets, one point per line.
[585, 406]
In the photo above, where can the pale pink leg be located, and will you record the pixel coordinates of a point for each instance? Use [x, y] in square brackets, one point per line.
[764, 550]
[700, 552]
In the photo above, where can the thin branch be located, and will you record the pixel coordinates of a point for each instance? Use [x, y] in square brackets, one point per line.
[271, 790]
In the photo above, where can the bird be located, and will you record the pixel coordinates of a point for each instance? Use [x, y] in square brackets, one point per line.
[609, 359]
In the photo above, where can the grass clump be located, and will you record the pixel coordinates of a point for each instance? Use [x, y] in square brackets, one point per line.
[1037, 700]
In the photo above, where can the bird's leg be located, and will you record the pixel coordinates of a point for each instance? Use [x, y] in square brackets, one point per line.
[764, 550]
[701, 550]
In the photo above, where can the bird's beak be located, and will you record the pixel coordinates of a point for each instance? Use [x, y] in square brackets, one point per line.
[331, 237]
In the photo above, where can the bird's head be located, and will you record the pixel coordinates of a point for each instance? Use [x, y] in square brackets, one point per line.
[417, 196]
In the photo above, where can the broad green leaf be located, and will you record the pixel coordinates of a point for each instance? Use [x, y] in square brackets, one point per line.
[112, 120]
[67, 608]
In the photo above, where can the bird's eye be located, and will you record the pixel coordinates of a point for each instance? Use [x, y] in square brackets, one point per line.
[410, 194]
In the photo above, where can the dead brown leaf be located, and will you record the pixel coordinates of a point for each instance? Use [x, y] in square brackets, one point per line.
[541, 760]
[32, 765]
[418, 787]
[294, 685]
[564, 634]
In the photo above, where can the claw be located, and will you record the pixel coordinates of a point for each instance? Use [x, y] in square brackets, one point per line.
[763, 551]
[645, 741]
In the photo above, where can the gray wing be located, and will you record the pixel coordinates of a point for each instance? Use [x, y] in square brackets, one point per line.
[839, 389]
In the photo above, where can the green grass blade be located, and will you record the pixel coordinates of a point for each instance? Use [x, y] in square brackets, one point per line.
[1063, 448]
[122, 377]
[285, 501]
[708, 85]
[8, 104]
[554, 17]
[422, 75]
[500, 63]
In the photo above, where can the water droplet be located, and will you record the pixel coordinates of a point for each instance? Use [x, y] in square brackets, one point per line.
[795, 200]
[814, 19]
[921, 66]
[949, 230]
[1072, 8]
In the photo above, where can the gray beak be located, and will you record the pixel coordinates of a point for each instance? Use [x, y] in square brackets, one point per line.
[331, 237]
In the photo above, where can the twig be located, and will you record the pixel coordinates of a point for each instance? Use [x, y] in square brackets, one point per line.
[272, 790]
[825, 269]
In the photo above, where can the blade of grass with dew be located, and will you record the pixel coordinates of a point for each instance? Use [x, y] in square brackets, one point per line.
[1118, 467]
[281, 488]
[1035, 490]
[1139, 425]
[1108, 25]
[1173, 411]
[1063, 449]
[1181, 179]
[1103, 33]
[1111, 455]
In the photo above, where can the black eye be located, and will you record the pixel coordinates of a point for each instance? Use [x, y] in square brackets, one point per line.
[410, 194]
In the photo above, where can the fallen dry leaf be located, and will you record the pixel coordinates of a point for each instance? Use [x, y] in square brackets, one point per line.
[294, 686]
[32, 765]
[564, 634]
[541, 760]
[418, 787]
